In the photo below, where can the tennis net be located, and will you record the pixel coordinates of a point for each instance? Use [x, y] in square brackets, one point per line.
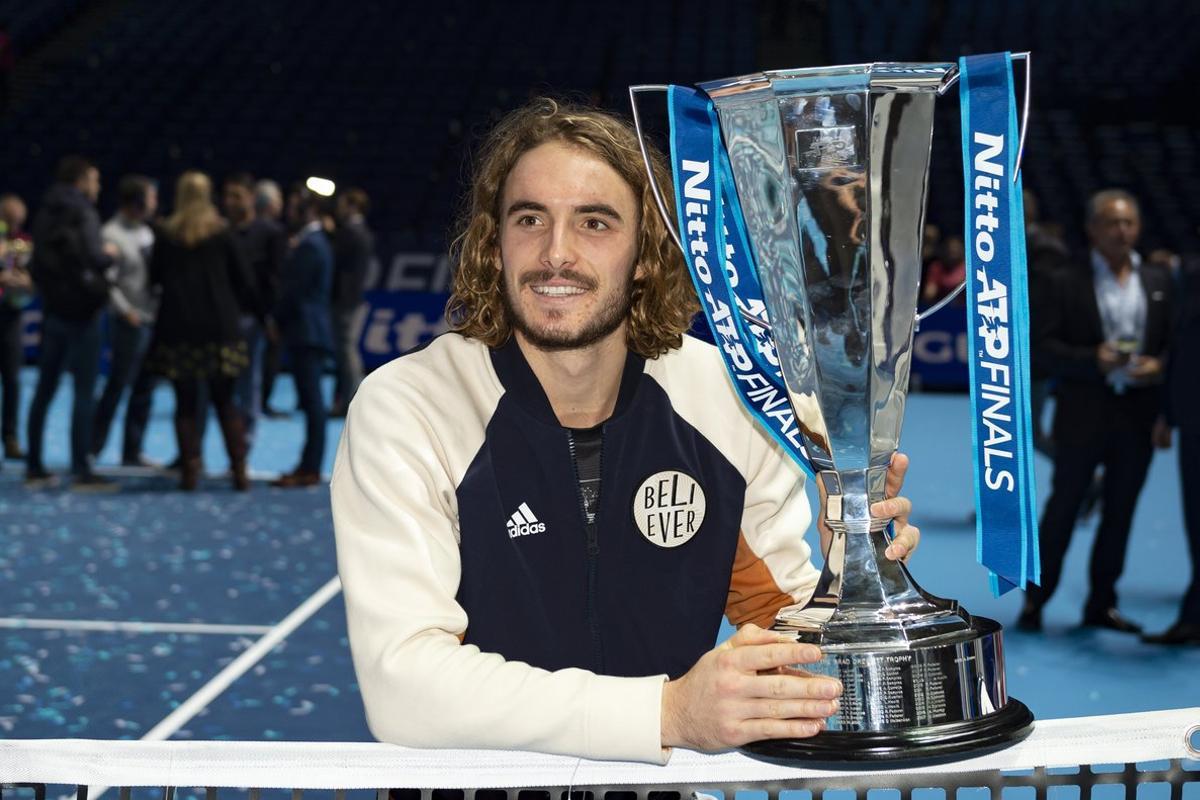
[1143, 756]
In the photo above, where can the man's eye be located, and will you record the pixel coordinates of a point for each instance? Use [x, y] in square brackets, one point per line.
[596, 224]
[527, 219]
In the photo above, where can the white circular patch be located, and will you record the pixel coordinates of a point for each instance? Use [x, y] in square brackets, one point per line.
[669, 508]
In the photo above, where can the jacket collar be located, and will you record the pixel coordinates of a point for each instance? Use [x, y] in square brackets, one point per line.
[518, 380]
[309, 229]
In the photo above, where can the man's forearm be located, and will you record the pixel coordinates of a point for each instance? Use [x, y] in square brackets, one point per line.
[434, 692]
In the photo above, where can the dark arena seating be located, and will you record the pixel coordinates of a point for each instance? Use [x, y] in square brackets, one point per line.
[1112, 104]
[389, 95]
[383, 95]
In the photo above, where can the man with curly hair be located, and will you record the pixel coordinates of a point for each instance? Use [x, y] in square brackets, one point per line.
[542, 516]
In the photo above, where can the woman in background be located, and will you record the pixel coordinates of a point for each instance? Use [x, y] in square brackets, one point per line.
[205, 285]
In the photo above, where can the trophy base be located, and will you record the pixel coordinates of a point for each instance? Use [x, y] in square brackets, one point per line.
[915, 747]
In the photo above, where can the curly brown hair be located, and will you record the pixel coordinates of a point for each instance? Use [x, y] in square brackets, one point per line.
[663, 301]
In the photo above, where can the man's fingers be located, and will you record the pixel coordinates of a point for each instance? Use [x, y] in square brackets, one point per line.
[750, 634]
[905, 543]
[897, 507]
[799, 673]
[895, 474]
[758, 729]
[793, 709]
[781, 686]
[769, 656]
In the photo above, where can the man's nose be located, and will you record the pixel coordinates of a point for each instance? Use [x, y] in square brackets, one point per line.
[559, 250]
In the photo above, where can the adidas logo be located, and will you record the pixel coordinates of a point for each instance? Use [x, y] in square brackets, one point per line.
[523, 522]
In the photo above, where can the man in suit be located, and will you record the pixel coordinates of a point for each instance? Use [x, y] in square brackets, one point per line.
[302, 314]
[353, 248]
[1183, 412]
[1103, 332]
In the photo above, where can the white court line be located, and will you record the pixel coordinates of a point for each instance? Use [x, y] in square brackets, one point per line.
[114, 626]
[236, 668]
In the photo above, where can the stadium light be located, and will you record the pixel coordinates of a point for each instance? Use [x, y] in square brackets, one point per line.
[321, 186]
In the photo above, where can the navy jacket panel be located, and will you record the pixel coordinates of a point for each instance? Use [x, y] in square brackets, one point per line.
[663, 604]
[523, 588]
[626, 598]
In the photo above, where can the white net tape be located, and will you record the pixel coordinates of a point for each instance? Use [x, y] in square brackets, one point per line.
[1116, 739]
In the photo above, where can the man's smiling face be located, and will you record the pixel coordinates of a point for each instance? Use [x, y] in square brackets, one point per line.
[568, 247]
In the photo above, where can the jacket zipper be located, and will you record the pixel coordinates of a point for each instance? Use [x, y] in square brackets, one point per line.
[593, 549]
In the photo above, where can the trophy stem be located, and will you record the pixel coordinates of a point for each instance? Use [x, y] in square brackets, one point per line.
[863, 597]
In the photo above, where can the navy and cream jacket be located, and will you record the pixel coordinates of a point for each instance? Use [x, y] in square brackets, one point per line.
[486, 611]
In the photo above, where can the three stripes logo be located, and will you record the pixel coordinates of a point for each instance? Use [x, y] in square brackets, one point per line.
[524, 523]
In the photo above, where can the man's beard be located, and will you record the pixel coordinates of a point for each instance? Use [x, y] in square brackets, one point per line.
[607, 319]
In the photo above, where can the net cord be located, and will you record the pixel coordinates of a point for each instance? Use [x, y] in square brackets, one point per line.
[1111, 739]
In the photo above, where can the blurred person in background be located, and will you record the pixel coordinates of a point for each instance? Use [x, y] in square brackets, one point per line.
[131, 315]
[931, 241]
[268, 200]
[353, 249]
[945, 273]
[264, 245]
[1168, 260]
[268, 205]
[1103, 332]
[304, 323]
[16, 291]
[1182, 411]
[204, 281]
[71, 269]
[1047, 255]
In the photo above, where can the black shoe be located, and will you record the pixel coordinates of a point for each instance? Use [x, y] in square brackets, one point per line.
[273, 413]
[140, 461]
[91, 482]
[1030, 619]
[1179, 633]
[1112, 619]
[299, 479]
[12, 449]
[39, 478]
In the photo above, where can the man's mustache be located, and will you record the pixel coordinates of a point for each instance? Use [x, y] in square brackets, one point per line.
[547, 275]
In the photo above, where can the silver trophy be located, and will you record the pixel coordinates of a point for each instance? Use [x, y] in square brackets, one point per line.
[831, 170]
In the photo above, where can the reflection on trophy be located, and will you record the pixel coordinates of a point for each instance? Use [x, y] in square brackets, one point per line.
[830, 167]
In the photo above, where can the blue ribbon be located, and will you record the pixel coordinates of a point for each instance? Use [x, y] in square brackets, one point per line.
[721, 264]
[998, 324]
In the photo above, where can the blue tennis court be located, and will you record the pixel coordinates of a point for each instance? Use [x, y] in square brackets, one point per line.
[143, 597]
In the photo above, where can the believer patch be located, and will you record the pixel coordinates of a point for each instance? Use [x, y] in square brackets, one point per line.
[669, 508]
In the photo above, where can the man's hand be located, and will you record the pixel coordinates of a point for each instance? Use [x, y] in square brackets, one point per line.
[744, 691]
[1144, 367]
[133, 318]
[1108, 358]
[906, 537]
[15, 279]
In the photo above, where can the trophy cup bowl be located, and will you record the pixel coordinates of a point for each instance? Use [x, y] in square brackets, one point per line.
[831, 170]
